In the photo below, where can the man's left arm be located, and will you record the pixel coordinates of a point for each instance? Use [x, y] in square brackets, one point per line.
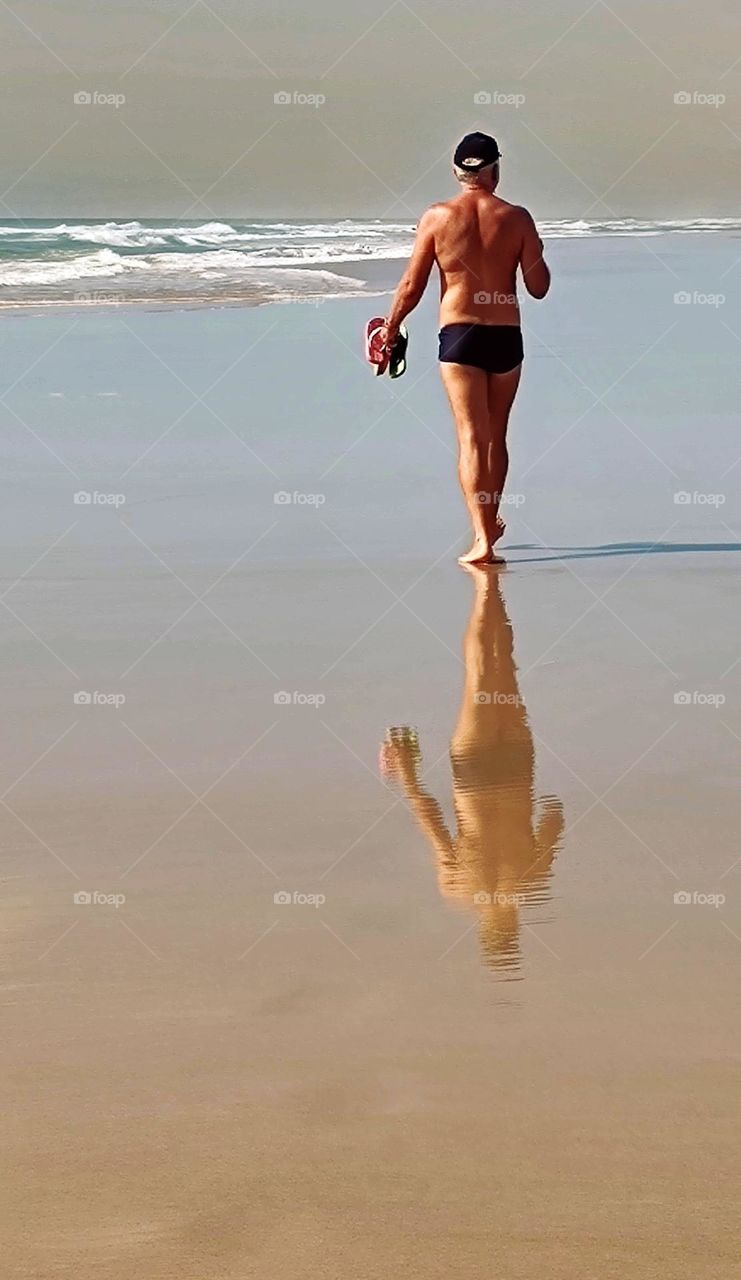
[414, 281]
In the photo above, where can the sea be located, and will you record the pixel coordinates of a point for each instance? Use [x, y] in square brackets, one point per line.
[47, 262]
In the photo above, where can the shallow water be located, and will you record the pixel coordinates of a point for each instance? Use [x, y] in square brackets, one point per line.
[204, 1079]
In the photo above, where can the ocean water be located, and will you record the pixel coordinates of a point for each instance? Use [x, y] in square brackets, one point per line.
[108, 263]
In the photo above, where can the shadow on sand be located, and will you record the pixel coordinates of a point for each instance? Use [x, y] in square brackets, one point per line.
[615, 549]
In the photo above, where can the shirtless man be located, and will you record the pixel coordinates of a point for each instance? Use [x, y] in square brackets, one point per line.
[478, 241]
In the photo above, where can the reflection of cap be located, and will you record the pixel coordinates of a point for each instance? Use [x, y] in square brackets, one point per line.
[475, 152]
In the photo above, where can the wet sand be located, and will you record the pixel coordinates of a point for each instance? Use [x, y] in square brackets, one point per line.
[482, 1034]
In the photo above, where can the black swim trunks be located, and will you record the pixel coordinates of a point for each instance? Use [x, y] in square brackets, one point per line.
[495, 348]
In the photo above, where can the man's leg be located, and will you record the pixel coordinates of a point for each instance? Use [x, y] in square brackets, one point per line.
[502, 392]
[468, 393]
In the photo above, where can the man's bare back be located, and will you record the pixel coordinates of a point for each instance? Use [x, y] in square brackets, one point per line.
[478, 241]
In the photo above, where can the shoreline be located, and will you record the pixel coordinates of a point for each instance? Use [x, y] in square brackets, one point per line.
[379, 276]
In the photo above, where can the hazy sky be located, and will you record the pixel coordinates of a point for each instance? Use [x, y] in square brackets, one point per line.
[200, 135]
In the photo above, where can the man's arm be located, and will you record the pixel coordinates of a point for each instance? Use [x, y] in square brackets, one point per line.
[414, 281]
[535, 273]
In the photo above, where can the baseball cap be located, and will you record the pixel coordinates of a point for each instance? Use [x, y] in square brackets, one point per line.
[475, 152]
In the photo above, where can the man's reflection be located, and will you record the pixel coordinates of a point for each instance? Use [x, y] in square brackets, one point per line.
[502, 855]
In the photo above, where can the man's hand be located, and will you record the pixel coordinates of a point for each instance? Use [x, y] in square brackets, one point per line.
[389, 336]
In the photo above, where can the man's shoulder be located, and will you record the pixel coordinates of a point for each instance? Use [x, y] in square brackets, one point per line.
[517, 212]
[522, 215]
[435, 212]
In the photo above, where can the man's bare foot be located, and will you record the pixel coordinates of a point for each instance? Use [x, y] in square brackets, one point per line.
[480, 553]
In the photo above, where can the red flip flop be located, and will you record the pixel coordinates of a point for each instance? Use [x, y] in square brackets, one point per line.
[376, 352]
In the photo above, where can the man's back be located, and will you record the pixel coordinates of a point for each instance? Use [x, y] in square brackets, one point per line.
[479, 242]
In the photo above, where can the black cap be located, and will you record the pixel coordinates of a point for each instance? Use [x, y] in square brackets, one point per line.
[475, 152]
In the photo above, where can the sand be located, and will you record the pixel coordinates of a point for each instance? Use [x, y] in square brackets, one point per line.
[203, 1082]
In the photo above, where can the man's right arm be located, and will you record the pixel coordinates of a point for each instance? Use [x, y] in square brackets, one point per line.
[535, 273]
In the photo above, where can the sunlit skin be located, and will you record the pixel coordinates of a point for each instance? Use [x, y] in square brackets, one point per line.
[503, 850]
[478, 242]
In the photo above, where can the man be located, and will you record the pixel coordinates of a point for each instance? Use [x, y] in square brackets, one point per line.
[478, 241]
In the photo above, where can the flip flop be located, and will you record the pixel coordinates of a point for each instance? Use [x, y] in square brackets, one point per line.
[375, 349]
[398, 361]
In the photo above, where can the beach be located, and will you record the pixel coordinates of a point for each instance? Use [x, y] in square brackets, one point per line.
[257, 1022]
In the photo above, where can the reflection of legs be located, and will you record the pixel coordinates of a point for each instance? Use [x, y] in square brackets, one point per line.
[502, 391]
[468, 393]
[489, 666]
